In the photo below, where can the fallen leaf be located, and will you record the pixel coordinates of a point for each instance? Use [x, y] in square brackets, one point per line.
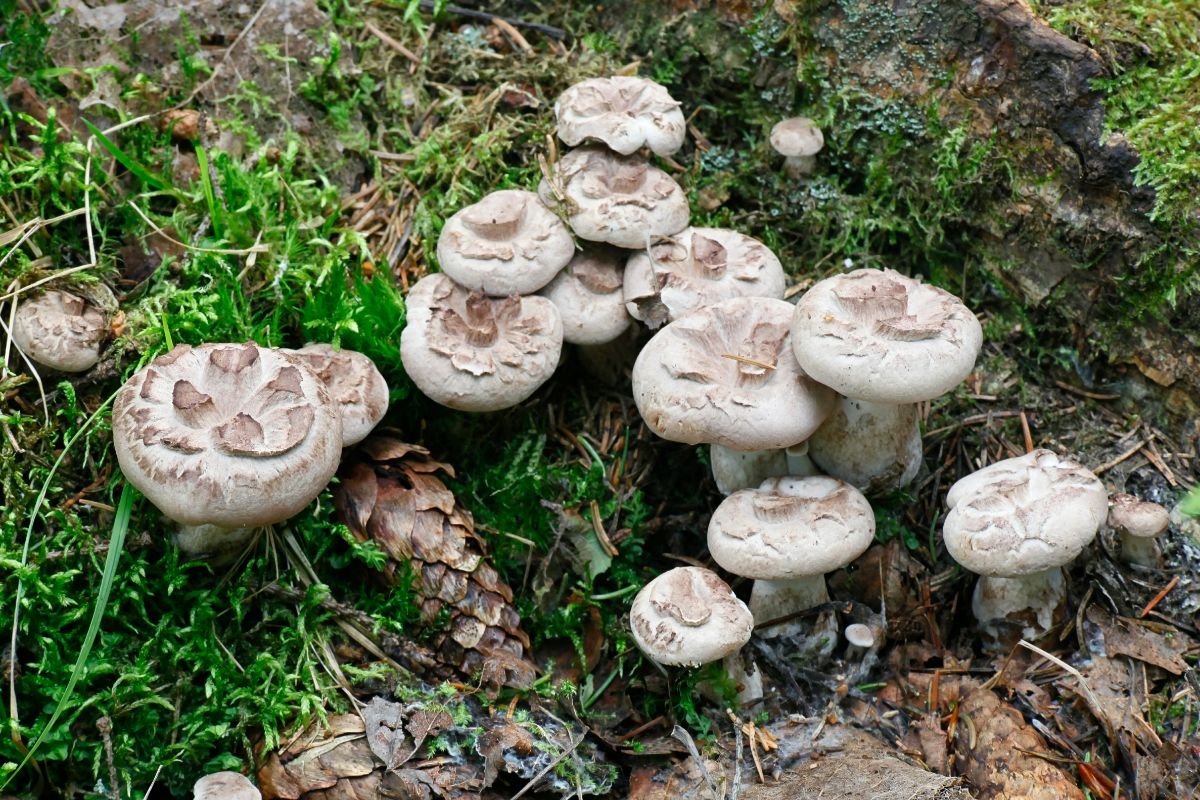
[1133, 638]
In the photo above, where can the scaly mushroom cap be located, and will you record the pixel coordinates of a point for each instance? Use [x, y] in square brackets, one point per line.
[798, 136]
[60, 330]
[688, 616]
[615, 199]
[472, 352]
[695, 268]
[225, 786]
[234, 435]
[588, 297]
[726, 374]
[354, 384]
[884, 337]
[507, 243]
[1139, 518]
[1023, 515]
[791, 528]
[623, 112]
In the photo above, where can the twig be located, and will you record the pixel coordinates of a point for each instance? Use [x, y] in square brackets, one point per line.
[680, 734]
[392, 43]
[512, 33]
[470, 13]
[1066, 387]
[104, 725]
[1158, 598]
[1087, 690]
[1025, 432]
[1107, 465]
[746, 360]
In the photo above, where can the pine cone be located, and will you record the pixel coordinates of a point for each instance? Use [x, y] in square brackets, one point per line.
[390, 493]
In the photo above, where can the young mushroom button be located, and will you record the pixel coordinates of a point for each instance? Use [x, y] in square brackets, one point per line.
[60, 330]
[798, 140]
[696, 268]
[611, 198]
[225, 786]
[472, 352]
[507, 243]
[588, 296]
[227, 435]
[1139, 523]
[687, 617]
[624, 112]
[354, 384]
[1016, 523]
[786, 535]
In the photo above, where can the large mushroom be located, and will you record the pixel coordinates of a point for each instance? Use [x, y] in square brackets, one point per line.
[1016, 523]
[626, 113]
[224, 438]
[472, 352]
[60, 330]
[507, 243]
[688, 616]
[698, 267]
[354, 384]
[798, 140]
[883, 341]
[1139, 523]
[726, 375]
[786, 535]
[615, 199]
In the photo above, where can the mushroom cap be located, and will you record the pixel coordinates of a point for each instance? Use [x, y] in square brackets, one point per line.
[354, 384]
[791, 528]
[225, 786]
[507, 243]
[873, 446]
[881, 336]
[698, 267]
[472, 352]
[1135, 517]
[860, 635]
[235, 435]
[726, 375]
[624, 112]
[588, 296]
[688, 616]
[1023, 515]
[615, 199]
[798, 136]
[60, 330]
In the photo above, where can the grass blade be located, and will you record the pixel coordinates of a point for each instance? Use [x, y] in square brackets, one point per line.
[207, 184]
[120, 155]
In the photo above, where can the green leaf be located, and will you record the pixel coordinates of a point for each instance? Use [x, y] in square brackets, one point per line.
[133, 166]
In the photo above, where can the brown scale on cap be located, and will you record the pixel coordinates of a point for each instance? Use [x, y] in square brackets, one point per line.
[353, 382]
[60, 330]
[625, 113]
[588, 296]
[233, 435]
[689, 616]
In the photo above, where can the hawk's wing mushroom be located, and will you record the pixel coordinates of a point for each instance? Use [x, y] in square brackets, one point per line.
[798, 140]
[786, 535]
[225, 786]
[588, 297]
[626, 113]
[1016, 523]
[233, 436]
[688, 616]
[507, 243]
[60, 330]
[615, 199]
[726, 375]
[1139, 524]
[884, 341]
[696, 268]
[354, 384]
[472, 352]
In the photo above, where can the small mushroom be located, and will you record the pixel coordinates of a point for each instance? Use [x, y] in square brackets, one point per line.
[859, 639]
[588, 296]
[60, 330]
[1139, 524]
[688, 616]
[1016, 523]
[507, 243]
[695, 268]
[472, 352]
[353, 382]
[626, 113]
[798, 140]
[786, 535]
[616, 199]
[225, 786]
[234, 436]
[873, 446]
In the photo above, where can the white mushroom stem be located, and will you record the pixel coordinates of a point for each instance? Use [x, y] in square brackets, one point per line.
[874, 446]
[212, 542]
[1000, 600]
[799, 464]
[775, 599]
[799, 166]
[1143, 550]
[747, 676]
[734, 470]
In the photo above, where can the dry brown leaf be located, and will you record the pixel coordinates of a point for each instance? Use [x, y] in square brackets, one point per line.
[390, 493]
[992, 748]
[1133, 638]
